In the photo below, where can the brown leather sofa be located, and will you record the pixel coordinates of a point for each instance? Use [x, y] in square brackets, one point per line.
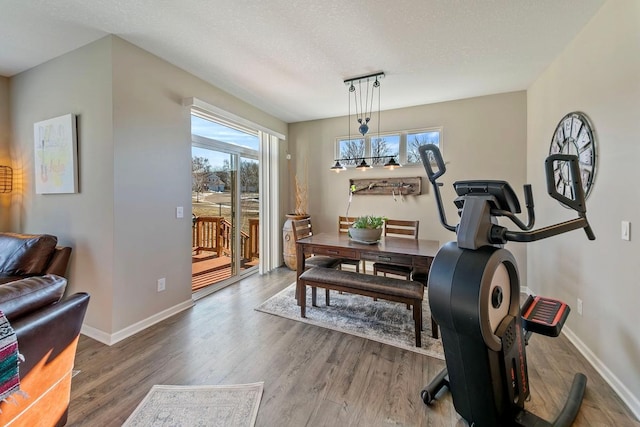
[47, 327]
[25, 255]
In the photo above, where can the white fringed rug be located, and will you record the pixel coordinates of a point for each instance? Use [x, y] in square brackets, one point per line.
[382, 321]
[198, 405]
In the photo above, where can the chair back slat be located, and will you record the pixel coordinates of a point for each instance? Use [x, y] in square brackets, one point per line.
[344, 222]
[301, 229]
[402, 228]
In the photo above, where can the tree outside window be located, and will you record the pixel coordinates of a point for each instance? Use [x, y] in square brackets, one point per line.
[200, 175]
[415, 140]
[352, 149]
[388, 145]
[403, 146]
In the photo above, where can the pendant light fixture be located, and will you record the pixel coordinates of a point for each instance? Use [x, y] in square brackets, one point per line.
[363, 89]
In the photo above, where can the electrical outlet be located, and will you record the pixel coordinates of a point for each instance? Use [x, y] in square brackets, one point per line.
[161, 284]
[579, 307]
[626, 230]
[179, 212]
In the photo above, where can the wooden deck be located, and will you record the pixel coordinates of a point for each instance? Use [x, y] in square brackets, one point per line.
[203, 280]
[207, 270]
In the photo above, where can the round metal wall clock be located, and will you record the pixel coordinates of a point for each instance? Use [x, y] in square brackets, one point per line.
[574, 135]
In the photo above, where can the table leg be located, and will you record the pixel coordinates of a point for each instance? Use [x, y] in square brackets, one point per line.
[303, 301]
[299, 270]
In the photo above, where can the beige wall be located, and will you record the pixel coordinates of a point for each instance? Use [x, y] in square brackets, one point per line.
[134, 156]
[5, 155]
[78, 83]
[597, 74]
[483, 137]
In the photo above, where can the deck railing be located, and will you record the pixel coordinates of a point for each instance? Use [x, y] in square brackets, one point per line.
[213, 234]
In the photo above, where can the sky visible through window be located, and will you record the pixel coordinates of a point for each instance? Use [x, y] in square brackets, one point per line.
[218, 132]
[209, 129]
[216, 158]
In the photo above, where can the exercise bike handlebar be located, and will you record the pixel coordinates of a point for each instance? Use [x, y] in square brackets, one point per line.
[433, 176]
[430, 155]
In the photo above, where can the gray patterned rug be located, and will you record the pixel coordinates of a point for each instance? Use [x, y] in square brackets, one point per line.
[382, 321]
[203, 405]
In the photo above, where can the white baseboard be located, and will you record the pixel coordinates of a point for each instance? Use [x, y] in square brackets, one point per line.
[110, 339]
[621, 390]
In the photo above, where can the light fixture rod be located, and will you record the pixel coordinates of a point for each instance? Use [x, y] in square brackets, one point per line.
[375, 76]
[390, 164]
[365, 157]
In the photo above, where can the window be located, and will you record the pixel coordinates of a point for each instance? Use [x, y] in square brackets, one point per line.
[385, 145]
[417, 138]
[351, 149]
[403, 146]
[222, 132]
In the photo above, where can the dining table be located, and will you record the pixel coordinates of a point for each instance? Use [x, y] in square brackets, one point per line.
[415, 253]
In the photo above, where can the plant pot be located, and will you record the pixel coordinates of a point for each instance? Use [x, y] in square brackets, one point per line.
[365, 234]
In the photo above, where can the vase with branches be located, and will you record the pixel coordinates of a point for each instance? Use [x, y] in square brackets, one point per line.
[300, 193]
[301, 196]
[301, 211]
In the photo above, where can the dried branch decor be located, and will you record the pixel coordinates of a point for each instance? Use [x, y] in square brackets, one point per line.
[300, 190]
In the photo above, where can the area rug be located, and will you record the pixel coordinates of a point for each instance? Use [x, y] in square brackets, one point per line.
[204, 405]
[382, 321]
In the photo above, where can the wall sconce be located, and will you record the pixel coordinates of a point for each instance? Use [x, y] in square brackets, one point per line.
[6, 179]
[363, 165]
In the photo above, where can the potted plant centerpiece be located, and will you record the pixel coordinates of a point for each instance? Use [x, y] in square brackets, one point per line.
[367, 229]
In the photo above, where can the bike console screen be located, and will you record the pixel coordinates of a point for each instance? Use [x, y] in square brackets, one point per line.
[504, 197]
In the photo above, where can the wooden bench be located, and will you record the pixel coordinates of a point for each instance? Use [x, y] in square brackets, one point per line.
[397, 290]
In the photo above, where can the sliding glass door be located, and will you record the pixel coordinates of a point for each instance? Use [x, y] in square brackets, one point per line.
[225, 193]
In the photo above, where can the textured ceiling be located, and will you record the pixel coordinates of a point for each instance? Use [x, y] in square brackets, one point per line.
[290, 57]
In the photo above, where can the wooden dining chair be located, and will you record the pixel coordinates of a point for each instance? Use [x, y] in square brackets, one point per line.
[400, 228]
[302, 228]
[344, 222]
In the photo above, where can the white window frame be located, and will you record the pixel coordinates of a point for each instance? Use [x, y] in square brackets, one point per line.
[269, 170]
[402, 154]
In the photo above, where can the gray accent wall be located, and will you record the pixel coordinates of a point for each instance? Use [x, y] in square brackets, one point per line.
[598, 74]
[134, 147]
[78, 83]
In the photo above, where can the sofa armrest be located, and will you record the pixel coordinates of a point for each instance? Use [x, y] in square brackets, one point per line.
[47, 338]
[59, 261]
[50, 330]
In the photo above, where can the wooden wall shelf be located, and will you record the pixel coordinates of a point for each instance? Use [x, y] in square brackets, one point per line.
[407, 186]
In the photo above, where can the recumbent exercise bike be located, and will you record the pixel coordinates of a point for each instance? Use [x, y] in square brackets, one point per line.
[474, 295]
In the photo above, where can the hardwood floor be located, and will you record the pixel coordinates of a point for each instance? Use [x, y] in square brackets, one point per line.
[312, 376]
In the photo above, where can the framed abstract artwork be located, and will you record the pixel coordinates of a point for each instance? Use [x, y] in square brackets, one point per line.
[56, 155]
